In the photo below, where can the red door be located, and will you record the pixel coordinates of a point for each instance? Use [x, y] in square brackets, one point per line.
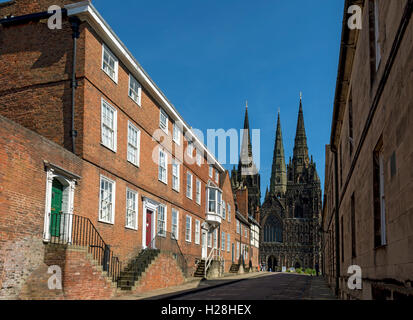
[148, 228]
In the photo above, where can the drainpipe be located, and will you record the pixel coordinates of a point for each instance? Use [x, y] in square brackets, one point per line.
[336, 218]
[75, 22]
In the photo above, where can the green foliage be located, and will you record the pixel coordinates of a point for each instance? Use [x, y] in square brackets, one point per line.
[299, 270]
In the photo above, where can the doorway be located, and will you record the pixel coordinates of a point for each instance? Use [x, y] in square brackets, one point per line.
[204, 245]
[149, 214]
[272, 263]
[56, 208]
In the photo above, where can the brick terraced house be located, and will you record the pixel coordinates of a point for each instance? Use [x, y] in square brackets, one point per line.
[368, 207]
[99, 172]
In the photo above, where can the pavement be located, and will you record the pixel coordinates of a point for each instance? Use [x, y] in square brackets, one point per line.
[249, 286]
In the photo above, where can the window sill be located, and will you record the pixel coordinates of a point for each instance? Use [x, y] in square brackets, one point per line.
[176, 190]
[106, 222]
[164, 182]
[383, 246]
[134, 164]
[161, 235]
[109, 148]
[114, 80]
[131, 228]
[139, 105]
[164, 130]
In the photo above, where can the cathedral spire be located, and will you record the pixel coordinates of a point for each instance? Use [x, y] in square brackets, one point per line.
[246, 163]
[300, 156]
[278, 183]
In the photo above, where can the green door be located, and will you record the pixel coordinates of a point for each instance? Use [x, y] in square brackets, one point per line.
[56, 210]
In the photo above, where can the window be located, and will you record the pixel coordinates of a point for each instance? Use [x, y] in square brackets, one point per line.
[377, 34]
[189, 185]
[198, 158]
[135, 90]
[246, 232]
[350, 124]
[177, 132]
[216, 176]
[175, 175]
[374, 34]
[353, 226]
[216, 239]
[197, 231]
[228, 242]
[163, 168]
[237, 226]
[342, 238]
[110, 63]
[211, 171]
[209, 239]
[379, 199]
[131, 209]
[238, 250]
[229, 212]
[163, 121]
[190, 149]
[198, 192]
[224, 210]
[175, 224]
[109, 124]
[107, 200]
[223, 241]
[188, 229]
[214, 200]
[134, 136]
[162, 220]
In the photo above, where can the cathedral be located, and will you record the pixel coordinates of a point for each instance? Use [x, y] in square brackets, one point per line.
[290, 214]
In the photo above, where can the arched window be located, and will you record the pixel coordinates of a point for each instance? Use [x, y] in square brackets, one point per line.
[273, 230]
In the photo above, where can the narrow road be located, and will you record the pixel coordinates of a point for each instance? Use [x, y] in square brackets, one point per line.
[272, 287]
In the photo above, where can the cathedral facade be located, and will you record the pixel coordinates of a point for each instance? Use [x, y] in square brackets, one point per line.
[291, 212]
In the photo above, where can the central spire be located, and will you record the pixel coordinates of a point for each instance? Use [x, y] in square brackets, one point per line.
[300, 156]
[246, 164]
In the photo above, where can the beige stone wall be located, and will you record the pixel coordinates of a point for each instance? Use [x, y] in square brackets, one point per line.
[390, 267]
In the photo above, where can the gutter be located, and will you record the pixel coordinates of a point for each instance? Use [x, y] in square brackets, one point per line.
[33, 17]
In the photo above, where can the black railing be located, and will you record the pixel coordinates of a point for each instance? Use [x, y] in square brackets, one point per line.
[167, 243]
[70, 229]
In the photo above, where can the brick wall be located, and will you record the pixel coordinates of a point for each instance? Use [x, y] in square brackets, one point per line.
[23, 7]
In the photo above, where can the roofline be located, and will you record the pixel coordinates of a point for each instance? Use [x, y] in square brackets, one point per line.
[344, 54]
[85, 11]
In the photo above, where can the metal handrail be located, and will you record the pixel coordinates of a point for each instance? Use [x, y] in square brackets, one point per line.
[215, 253]
[71, 229]
[166, 242]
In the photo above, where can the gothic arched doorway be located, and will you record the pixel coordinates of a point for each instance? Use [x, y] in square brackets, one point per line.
[272, 263]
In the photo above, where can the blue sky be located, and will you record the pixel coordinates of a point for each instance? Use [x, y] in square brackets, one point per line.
[209, 57]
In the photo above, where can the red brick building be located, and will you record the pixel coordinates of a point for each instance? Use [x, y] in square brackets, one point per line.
[132, 166]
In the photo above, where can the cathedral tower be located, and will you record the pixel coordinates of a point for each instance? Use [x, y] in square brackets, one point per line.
[278, 183]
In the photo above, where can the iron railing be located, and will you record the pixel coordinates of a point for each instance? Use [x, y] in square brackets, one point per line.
[167, 243]
[214, 255]
[70, 229]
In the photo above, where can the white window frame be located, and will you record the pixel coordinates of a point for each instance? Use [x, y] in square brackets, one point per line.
[190, 149]
[218, 203]
[223, 238]
[135, 209]
[216, 176]
[197, 232]
[188, 236]
[228, 242]
[131, 127]
[211, 171]
[116, 63]
[165, 208]
[229, 212]
[163, 179]
[176, 186]
[224, 210]
[177, 134]
[209, 239]
[198, 158]
[198, 191]
[238, 227]
[215, 235]
[176, 236]
[132, 91]
[238, 253]
[113, 199]
[105, 104]
[189, 187]
[164, 127]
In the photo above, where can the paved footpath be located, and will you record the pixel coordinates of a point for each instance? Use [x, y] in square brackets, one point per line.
[252, 286]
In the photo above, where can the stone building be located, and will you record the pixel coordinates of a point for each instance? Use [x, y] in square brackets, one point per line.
[142, 180]
[291, 211]
[368, 208]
